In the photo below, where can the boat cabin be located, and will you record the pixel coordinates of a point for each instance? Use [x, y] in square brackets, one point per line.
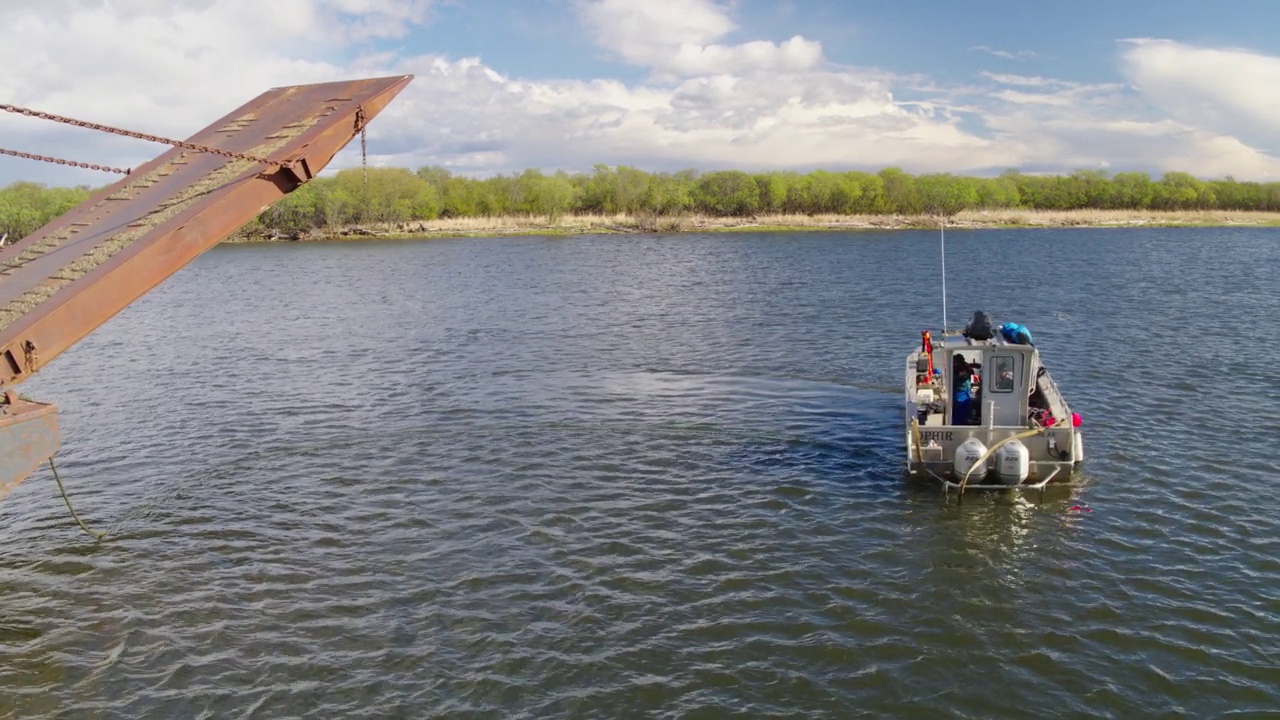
[962, 381]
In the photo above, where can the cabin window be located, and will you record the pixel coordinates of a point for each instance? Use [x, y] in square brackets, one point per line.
[1002, 380]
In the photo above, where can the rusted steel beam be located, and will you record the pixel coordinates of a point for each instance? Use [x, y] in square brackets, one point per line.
[75, 273]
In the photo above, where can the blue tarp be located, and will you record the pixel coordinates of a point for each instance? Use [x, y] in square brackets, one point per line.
[1015, 333]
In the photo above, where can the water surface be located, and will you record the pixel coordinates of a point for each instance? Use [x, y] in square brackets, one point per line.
[649, 476]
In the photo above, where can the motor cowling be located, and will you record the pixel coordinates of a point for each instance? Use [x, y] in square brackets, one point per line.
[1013, 462]
[970, 455]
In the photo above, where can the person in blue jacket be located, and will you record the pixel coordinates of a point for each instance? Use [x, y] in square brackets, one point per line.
[961, 392]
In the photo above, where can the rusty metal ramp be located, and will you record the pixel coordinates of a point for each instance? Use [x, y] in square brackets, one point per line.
[70, 276]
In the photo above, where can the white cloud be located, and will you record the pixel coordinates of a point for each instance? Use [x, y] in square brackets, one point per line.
[1023, 98]
[1062, 94]
[1233, 92]
[167, 68]
[709, 104]
[1027, 81]
[1073, 125]
[808, 119]
[171, 68]
[677, 37]
[633, 27]
[1006, 54]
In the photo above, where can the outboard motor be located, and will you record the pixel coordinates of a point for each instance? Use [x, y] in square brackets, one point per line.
[980, 327]
[969, 455]
[1013, 462]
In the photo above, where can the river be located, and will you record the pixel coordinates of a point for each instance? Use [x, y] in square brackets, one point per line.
[650, 476]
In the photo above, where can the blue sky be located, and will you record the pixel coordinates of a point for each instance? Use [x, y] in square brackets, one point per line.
[972, 88]
[1070, 40]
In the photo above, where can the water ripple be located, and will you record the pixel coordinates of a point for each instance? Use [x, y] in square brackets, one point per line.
[658, 477]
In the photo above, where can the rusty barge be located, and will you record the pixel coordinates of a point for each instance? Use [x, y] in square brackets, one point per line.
[69, 277]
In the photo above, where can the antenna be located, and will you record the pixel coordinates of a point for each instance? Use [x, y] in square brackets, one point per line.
[942, 223]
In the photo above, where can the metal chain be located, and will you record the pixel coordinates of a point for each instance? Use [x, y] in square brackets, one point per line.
[142, 136]
[364, 163]
[59, 161]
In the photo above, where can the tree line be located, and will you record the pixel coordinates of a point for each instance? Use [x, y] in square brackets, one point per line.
[398, 195]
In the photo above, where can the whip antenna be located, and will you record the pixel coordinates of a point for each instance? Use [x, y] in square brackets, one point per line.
[943, 241]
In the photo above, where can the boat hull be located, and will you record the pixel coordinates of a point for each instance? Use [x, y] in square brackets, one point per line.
[1053, 454]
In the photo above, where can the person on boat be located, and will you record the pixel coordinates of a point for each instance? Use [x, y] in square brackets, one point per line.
[962, 393]
[1004, 383]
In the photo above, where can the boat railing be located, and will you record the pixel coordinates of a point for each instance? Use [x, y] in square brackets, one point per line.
[1057, 403]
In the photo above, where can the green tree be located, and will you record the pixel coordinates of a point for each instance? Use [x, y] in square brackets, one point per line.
[1132, 191]
[545, 195]
[393, 195]
[899, 192]
[727, 193]
[1091, 189]
[773, 191]
[390, 195]
[1181, 191]
[870, 197]
[1000, 192]
[831, 193]
[669, 195]
[945, 194]
[27, 206]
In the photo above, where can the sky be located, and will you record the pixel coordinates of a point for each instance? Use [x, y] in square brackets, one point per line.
[973, 88]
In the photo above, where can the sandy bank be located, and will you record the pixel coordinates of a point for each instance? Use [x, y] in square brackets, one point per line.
[602, 224]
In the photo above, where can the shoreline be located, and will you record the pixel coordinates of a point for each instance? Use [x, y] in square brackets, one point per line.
[623, 224]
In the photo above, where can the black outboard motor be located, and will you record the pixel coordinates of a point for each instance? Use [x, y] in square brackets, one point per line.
[980, 327]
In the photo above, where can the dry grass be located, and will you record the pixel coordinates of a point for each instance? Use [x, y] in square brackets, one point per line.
[621, 223]
[1111, 218]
